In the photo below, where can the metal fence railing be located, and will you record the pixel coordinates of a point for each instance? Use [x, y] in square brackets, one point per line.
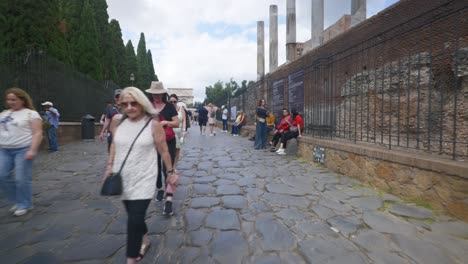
[405, 87]
[47, 79]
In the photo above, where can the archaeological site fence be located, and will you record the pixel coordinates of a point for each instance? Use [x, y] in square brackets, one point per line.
[47, 79]
[399, 80]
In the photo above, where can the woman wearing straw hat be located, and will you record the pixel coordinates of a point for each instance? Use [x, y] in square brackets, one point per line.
[167, 111]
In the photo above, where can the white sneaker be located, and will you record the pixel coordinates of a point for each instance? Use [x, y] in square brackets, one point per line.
[278, 150]
[21, 212]
[12, 209]
[281, 152]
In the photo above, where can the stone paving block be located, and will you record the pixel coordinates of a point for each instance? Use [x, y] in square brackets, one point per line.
[189, 254]
[91, 247]
[223, 220]
[274, 236]
[411, 211]
[202, 189]
[250, 182]
[366, 203]
[233, 201]
[201, 237]
[205, 165]
[292, 258]
[223, 182]
[206, 179]
[230, 176]
[204, 202]
[336, 206]
[286, 200]
[230, 164]
[374, 241]
[323, 212]
[284, 189]
[228, 190]
[331, 250]
[229, 247]
[294, 214]
[386, 223]
[194, 219]
[422, 251]
[312, 228]
[266, 260]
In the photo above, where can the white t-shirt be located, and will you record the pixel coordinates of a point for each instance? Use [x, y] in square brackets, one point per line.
[225, 112]
[16, 128]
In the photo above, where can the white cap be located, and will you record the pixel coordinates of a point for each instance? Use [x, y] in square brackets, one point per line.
[48, 103]
[222, 106]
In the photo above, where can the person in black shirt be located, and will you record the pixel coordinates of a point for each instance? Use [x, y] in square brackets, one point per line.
[167, 111]
[202, 119]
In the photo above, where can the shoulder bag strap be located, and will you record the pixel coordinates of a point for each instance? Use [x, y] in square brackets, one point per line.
[130, 149]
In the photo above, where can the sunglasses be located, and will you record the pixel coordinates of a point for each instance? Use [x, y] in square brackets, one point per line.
[126, 104]
[173, 102]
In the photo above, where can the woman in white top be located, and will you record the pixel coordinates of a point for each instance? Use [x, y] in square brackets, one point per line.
[20, 137]
[181, 130]
[138, 173]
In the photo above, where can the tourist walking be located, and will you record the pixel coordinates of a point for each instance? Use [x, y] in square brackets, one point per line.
[109, 113]
[169, 119]
[180, 131]
[202, 119]
[20, 137]
[224, 117]
[260, 125]
[52, 117]
[138, 177]
[212, 109]
[295, 131]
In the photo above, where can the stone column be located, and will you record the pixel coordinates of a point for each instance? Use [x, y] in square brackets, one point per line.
[273, 38]
[317, 22]
[260, 50]
[290, 30]
[358, 11]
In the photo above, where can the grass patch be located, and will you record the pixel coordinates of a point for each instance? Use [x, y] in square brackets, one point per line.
[420, 203]
[386, 205]
[357, 186]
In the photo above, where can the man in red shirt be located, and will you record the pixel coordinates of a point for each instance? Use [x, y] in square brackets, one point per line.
[295, 131]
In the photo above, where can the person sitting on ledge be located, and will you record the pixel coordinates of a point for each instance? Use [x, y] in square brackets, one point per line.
[238, 124]
[295, 131]
[285, 123]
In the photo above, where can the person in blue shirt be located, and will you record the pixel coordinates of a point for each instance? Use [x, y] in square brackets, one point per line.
[52, 116]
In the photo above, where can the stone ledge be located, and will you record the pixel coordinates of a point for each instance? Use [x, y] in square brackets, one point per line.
[419, 160]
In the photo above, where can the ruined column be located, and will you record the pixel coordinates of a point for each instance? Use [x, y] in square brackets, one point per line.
[317, 22]
[273, 38]
[358, 11]
[290, 30]
[260, 50]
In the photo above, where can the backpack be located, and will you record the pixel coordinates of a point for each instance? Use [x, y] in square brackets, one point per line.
[213, 114]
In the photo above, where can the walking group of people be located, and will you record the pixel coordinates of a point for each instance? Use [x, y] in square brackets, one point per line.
[147, 162]
[207, 115]
[290, 126]
[21, 133]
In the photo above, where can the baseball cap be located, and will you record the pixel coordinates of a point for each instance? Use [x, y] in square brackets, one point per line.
[117, 92]
[47, 103]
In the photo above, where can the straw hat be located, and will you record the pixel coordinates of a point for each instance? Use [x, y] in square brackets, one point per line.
[157, 88]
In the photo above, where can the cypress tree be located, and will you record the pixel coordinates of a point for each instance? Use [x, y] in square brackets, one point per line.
[152, 74]
[86, 47]
[117, 51]
[143, 72]
[131, 64]
[101, 18]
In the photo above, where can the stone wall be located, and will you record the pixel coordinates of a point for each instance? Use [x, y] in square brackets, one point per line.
[69, 132]
[441, 184]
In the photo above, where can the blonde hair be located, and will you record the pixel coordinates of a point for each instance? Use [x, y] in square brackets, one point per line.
[141, 99]
[22, 95]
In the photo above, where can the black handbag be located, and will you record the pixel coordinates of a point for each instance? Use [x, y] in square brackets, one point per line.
[112, 186]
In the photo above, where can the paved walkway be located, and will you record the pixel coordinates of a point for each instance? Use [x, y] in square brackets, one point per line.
[235, 205]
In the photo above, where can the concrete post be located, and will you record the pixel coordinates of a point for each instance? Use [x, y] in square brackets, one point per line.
[260, 50]
[317, 22]
[290, 30]
[358, 11]
[273, 38]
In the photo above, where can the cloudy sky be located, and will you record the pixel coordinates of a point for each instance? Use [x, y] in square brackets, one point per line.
[196, 43]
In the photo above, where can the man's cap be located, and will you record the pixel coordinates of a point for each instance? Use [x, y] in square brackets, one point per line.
[117, 92]
[223, 106]
[48, 103]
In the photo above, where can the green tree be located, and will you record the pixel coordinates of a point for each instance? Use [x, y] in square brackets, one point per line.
[130, 63]
[101, 18]
[117, 50]
[143, 72]
[86, 48]
[152, 74]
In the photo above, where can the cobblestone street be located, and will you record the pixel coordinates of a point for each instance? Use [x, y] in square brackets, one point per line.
[234, 205]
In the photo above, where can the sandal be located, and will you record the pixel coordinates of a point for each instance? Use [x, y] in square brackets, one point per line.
[144, 248]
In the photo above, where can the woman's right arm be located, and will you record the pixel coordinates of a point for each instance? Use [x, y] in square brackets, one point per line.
[110, 162]
[159, 138]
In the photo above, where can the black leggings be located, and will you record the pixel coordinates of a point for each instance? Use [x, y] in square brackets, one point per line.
[136, 226]
[287, 136]
[171, 145]
[276, 138]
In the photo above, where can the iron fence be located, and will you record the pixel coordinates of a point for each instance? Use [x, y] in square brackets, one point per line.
[47, 79]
